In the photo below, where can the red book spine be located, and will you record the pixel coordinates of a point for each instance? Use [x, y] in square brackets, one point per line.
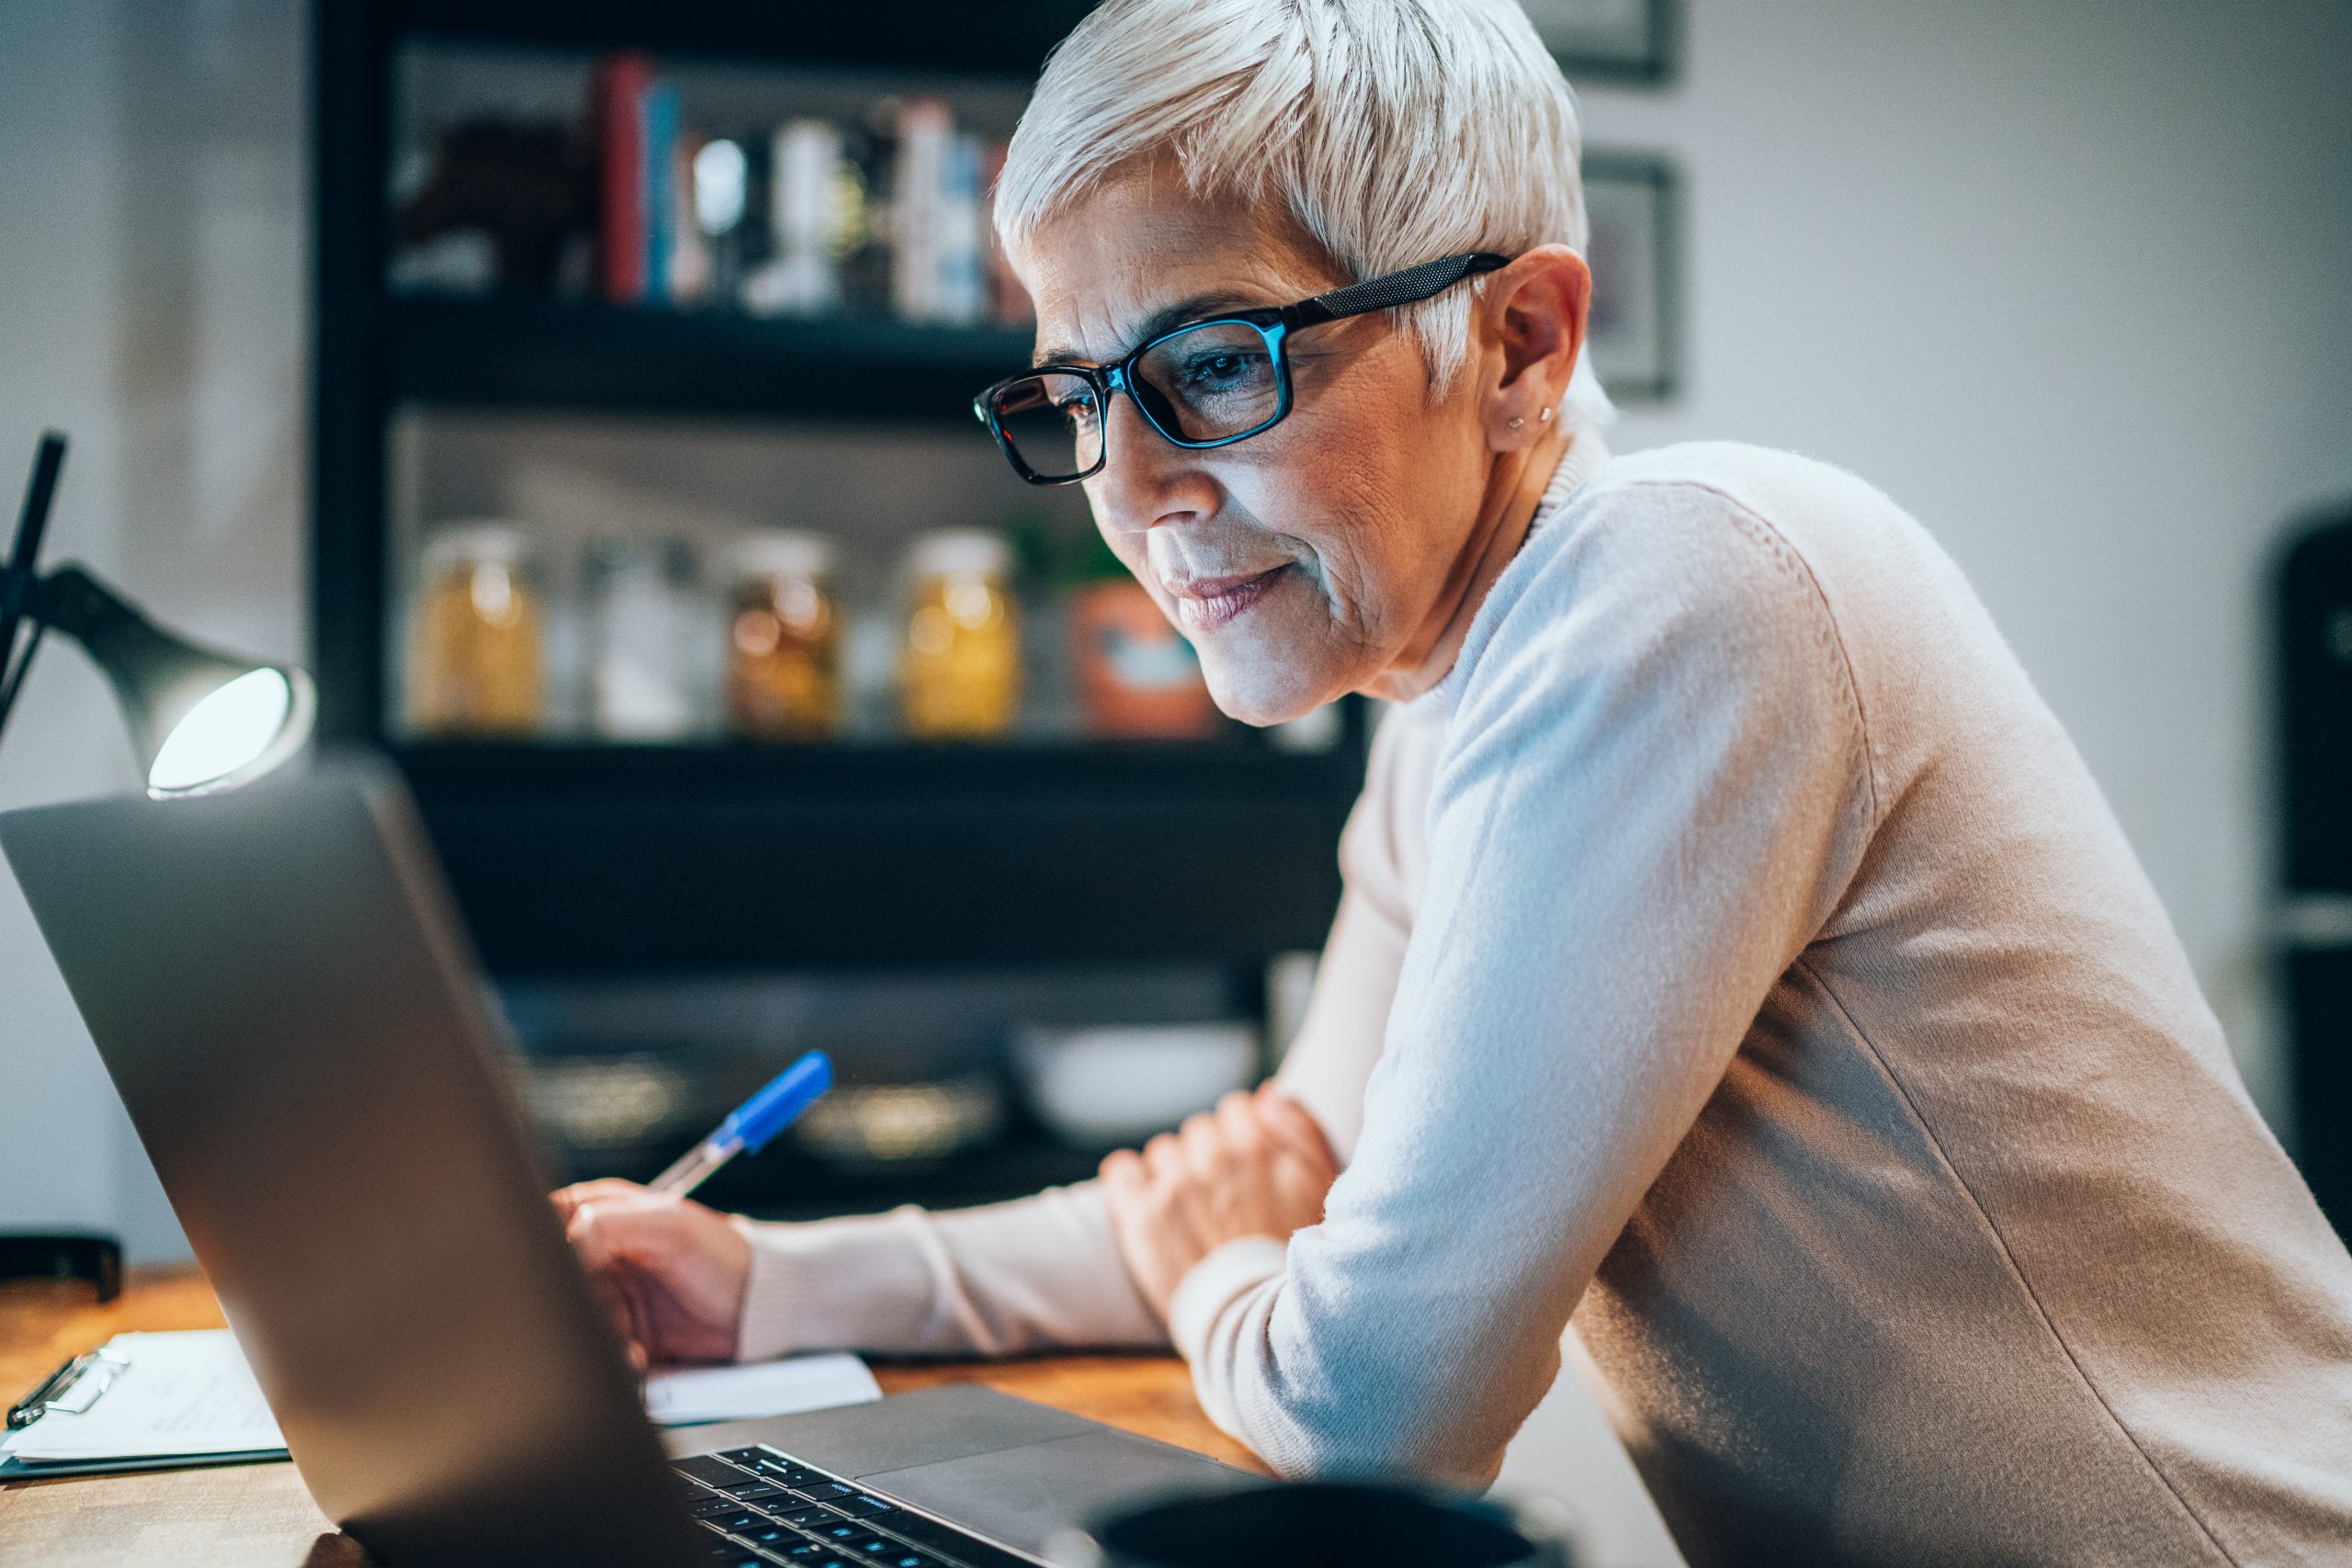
[622, 82]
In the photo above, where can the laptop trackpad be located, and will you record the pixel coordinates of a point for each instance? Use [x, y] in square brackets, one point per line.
[1024, 1497]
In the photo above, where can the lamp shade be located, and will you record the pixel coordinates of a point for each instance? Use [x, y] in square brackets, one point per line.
[200, 719]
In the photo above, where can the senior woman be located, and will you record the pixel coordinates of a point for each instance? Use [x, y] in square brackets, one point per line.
[1737, 965]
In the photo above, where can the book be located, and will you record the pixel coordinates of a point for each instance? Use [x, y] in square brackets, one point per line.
[659, 163]
[809, 188]
[959, 252]
[621, 82]
[925, 133]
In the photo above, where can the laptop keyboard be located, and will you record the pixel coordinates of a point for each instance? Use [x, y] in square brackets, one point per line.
[761, 1507]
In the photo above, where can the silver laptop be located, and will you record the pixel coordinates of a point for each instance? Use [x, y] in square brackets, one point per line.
[282, 991]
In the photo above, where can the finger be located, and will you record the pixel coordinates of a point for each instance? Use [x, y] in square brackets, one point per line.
[611, 1232]
[567, 1200]
[1206, 1157]
[1120, 1173]
[621, 1303]
[1294, 1124]
[1240, 1127]
[1302, 1187]
[1163, 1157]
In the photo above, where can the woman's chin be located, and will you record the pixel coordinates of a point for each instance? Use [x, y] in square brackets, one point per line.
[1262, 697]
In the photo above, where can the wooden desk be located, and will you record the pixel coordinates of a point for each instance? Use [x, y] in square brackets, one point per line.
[259, 1516]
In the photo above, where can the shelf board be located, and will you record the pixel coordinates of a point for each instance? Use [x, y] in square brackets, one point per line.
[1238, 764]
[948, 36]
[570, 860]
[538, 353]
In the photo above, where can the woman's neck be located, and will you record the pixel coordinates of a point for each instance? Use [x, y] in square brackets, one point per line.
[1515, 487]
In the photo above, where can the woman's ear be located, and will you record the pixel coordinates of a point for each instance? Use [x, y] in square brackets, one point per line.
[1534, 313]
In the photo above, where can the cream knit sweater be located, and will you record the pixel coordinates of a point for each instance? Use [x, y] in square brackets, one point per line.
[1738, 963]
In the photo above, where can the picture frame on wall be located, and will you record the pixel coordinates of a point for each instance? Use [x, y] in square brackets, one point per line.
[1620, 41]
[1634, 329]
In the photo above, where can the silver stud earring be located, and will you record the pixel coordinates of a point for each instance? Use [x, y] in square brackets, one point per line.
[1516, 421]
[1544, 418]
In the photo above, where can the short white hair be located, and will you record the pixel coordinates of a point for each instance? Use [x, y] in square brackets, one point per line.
[1392, 132]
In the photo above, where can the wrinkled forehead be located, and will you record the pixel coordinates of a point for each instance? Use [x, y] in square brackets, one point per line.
[1140, 254]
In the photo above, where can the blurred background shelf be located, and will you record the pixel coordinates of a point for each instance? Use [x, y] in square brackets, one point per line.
[558, 355]
[667, 923]
[571, 859]
[781, 1186]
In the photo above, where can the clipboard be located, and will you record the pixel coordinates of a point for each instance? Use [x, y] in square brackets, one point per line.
[186, 1400]
[14, 1468]
[144, 1402]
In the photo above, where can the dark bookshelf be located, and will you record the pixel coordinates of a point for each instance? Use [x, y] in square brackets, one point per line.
[601, 860]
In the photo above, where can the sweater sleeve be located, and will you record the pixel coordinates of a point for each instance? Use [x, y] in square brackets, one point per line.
[1653, 789]
[1045, 1272]
[1035, 1274]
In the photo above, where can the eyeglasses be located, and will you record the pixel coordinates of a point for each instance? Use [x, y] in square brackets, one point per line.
[1207, 383]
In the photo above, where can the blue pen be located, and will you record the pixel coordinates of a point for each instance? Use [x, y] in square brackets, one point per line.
[750, 1126]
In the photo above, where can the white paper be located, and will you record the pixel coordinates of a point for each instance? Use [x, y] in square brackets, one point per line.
[182, 1393]
[192, 1393]
[764, 1388]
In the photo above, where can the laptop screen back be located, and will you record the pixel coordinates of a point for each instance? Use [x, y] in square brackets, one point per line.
[279, 988]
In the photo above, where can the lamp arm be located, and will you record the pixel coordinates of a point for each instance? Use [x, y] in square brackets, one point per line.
[75, 602]
[112, 630]
[12, 677]
[19, 583]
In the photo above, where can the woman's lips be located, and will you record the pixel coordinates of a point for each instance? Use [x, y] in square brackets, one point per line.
[1208, 602]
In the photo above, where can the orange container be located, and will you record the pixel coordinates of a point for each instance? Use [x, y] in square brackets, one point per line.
[1136, 675]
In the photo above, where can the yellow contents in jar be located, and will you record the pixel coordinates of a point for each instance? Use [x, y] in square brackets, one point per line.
[960, 669]
[784, 661]
[475, 662]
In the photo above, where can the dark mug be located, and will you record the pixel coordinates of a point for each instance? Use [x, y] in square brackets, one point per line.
[1321, 1525]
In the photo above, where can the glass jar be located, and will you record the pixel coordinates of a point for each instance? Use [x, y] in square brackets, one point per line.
[959, 667]
[784, 638]
[475, 667]
[647, 679]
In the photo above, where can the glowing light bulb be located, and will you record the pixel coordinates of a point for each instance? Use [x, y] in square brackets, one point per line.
[228, 731]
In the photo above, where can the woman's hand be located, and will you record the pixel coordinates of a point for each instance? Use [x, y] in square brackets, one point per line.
[673, 1271]
[1257, 1165]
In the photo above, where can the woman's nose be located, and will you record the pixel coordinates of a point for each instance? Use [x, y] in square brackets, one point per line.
[1146, 479]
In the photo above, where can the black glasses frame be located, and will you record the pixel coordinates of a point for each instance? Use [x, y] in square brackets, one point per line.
[1274, 323]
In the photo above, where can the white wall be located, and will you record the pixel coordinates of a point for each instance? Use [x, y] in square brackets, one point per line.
[59, 170]
[151, 255]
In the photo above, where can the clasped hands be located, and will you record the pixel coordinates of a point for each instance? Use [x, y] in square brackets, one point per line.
[1257, 1165]
[673, 1272]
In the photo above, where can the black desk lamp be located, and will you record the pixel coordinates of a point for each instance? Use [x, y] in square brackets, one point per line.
[201, 719]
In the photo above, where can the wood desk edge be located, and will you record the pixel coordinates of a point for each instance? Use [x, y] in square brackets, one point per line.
[259, 1516]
